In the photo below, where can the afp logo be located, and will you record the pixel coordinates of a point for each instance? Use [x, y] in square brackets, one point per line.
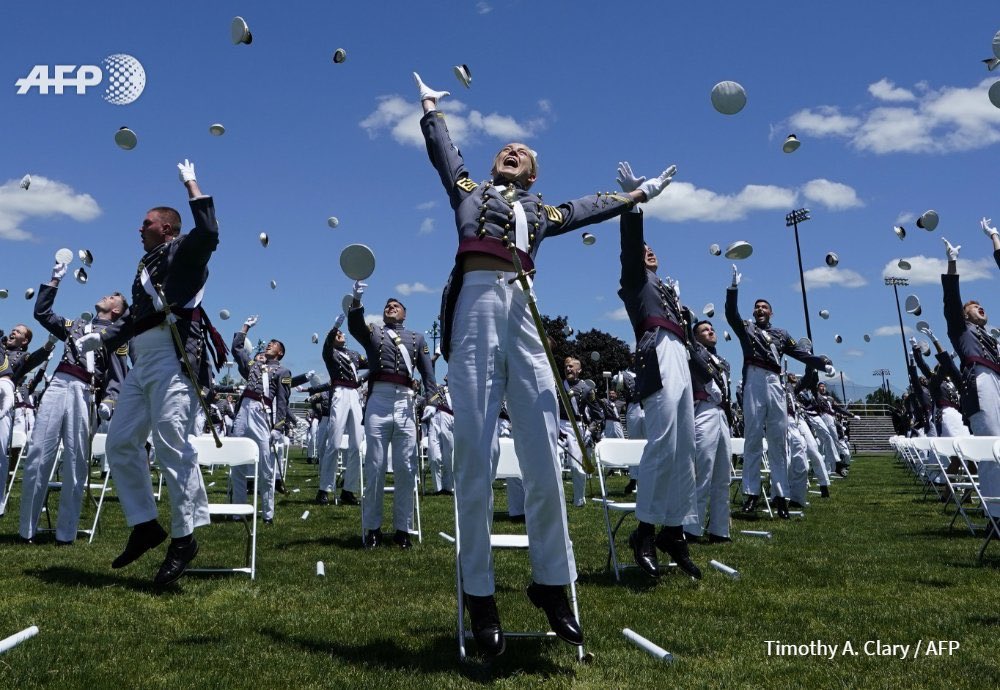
[126, 79]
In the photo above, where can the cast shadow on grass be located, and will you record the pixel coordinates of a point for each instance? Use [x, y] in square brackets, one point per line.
[75, 577]
[632, 579]
[439, 654]
[352, 542]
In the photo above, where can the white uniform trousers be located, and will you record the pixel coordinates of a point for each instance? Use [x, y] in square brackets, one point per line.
[6, 429]
[713, 468]
[798, 463]
[827, 446]
[312, 439]
[573, 458]
[441, 450]
[841, 451]
[952, 425]
[24, 420]
[496, 353]
[635, 424]
[666, 491]
[345, 418]
[253, 422]
[613, 429]
[813, 453]
[390, 427]
[766, 414]
[322, 433]
[986, 422]
[64, 415]
[157, 397]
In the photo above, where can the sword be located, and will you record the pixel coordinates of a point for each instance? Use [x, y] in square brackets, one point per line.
[522, 278]
[172, 323]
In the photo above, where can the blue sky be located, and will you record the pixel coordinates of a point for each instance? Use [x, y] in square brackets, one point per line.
[888, 99]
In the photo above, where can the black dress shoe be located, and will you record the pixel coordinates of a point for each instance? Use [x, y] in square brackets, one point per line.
[678, 551]
[644, 553]
[824, 492]
[553, 601]
[60, 542]
[347, 498]
[447, 492]
[402, 539]
[796, 505]
[179, 554]
[780, 505]
[268, 521]
[373, 539]
[630, 487]
[750, 505]
[717, 539]
[693, 538]
[144, 536]
[27, 541]
[485, 622]
[322, 498]
[279, 486]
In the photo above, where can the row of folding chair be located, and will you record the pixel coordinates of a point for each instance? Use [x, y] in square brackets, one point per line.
[930, 461]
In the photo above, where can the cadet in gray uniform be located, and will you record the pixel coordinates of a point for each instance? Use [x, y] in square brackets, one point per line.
[978, 350]
[393, 353]
[441, 441]
[493, 350]
[262, 416]
[765, 409]
[15, 363]
[712, 433]
[78, 384]
[158, 394]
[24, 404]
[582, 396]
[347, 369]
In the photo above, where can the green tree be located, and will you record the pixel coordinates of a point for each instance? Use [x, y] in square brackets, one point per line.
[613, 354]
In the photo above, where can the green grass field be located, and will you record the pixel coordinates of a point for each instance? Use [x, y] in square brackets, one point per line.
[873, 563]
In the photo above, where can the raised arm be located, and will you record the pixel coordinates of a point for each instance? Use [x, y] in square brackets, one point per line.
[633, 251]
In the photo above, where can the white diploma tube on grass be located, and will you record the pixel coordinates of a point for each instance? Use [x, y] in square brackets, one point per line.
[725, 569]
[18, 638]
[642, 643]
[305, 515]
[320, 569]
[756, 533]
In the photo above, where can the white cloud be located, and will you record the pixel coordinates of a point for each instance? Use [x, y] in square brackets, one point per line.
[853, 352]
[44, 199]
[618, 314]
[905, 217]
[883, 331]
[885, 90]
[827, 276]
[401, 118]
[374, 319]
[834, 195]
[426, 226]
[927, 270]
[426, 206]
[545, 105]
[483, 7]
[683, 201]
[406, 289]
[950, 118]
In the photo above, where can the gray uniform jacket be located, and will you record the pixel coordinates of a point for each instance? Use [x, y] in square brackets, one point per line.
[974, 344]
[279, 381]
[650, 303]
[385, 360]
[707, 367]
[110, 366]
[763, 347]
[485, 217]
[17, 363]
[338, 362]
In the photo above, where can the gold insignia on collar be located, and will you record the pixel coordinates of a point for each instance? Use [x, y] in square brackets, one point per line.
[69, 323]
[466, 184]
[554, 214]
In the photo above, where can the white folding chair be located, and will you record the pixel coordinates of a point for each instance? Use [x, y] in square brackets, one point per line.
[97, 451]
[508, 467]
[18, 442]
[616, 454]
[738, 448]
[234, 452]
[981, 449]
[942, 448]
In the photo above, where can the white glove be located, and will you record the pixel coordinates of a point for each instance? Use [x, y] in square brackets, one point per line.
[928, 332]
[951, 250]
[427, 93]
[310, 373]
[88, 343]
[985, 225]
[251, 321]
[652, 188]
[359, 289]
[737, 276]
[185, 171]
[829, 370]
[913, 342]
[58, 271]
[301, 389]
[104, 411]
[276, 436]
[627, 179]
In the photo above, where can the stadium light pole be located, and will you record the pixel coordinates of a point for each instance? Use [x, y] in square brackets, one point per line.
[435, 334]
[792, 220]
[895, 283]
[883, 373]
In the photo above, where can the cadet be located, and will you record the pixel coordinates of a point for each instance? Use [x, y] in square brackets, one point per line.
[347, 370]
[393, 353]
[79, 382]
[262, 416]
[764, 405]
[441, 441]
